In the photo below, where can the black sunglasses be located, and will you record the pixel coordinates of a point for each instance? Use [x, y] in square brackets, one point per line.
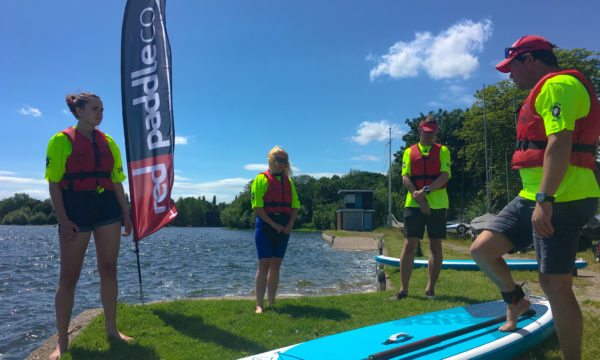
[281, 160]
[507, 51]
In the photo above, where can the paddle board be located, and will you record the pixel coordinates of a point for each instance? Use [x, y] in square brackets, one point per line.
[485, 343]
[471, 264]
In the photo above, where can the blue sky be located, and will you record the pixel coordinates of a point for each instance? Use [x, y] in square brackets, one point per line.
[322, 79]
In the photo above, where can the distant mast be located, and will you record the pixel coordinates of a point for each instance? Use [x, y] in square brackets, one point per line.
[390, 181]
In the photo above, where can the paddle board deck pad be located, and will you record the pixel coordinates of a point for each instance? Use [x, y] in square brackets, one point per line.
[486, 343]
[471, 264]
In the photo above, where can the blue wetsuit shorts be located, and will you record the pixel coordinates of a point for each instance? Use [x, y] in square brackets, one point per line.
[269, 243]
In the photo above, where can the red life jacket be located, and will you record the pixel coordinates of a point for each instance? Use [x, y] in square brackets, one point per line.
[425, 169]
[531, 133]
[90, 164]
[278, 198]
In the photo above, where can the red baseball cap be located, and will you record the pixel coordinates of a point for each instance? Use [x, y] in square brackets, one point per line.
[428, 126]
[525, 44]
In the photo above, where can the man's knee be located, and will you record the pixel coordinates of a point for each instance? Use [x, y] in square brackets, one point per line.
[555, 285]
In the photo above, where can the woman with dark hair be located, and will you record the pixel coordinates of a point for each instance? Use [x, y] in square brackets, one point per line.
[84, 171]
[276, 205]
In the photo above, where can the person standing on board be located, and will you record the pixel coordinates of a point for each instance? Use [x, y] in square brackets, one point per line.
[425, 173]
[276, 205]
[84, 171]
[557, 134]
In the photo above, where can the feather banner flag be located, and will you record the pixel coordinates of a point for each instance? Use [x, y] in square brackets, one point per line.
[148, 115]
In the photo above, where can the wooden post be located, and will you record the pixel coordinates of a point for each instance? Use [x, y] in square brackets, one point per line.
[379, 269]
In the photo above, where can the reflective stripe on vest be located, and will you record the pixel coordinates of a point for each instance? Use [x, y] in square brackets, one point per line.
[531, 132]
[425, 169]
[278, 198]
[90, 164]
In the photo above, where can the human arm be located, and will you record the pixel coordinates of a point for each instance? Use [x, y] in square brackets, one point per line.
[67, 228]
[260, 212]
[290, 225]
[556, 162]
[120, 193]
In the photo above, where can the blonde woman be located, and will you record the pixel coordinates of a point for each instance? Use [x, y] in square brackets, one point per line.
[276, 205]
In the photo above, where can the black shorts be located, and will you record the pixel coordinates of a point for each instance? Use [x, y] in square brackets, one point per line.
[89, 209]
[555, 254]
[415, 222]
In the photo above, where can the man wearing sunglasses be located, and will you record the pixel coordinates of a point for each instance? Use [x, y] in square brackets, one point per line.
[557, 136]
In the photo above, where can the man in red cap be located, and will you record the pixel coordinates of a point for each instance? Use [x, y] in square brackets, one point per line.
[557, 136]
[425, 172]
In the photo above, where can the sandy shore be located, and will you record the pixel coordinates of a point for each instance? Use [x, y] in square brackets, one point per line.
[369, 242]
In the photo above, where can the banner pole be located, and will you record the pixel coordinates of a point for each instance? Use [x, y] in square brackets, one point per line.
[137, 255]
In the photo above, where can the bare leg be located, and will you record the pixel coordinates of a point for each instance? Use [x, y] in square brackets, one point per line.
[434, 263]
[71, 261]
[407, 262]
[568, 320]
[487, 251]
[273, 279]
[108, 242]
[261, 282]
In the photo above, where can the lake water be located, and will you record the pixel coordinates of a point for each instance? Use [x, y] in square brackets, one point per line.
[176, 263]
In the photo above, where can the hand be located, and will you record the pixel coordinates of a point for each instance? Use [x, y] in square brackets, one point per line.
[288, 229]
[278, 227]
[128, 225]
[68, 229]
[424, 206]
[418, 195]
[541, 219]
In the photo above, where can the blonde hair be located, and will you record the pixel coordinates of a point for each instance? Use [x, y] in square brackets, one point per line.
[287, 171]
[79, 101]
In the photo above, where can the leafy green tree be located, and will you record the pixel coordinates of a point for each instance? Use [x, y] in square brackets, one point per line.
[586, 61]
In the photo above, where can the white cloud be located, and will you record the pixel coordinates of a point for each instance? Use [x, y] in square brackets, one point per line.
[453, 94]
[34, 187]
[225, 190]
[28, 110]
[447, 55]
[365, 157]
[375, 131]
[256, 167]
[181, 140]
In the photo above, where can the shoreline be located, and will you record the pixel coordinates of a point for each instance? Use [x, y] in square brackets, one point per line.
[350, 243]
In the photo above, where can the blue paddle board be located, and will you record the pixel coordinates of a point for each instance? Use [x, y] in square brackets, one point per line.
[483, 343]
[471, 264]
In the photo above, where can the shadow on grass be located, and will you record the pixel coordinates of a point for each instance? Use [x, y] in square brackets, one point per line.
[194, 326]
[118, 350]
[307, 311]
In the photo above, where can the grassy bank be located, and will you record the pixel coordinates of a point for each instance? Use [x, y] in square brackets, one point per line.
[229, 329]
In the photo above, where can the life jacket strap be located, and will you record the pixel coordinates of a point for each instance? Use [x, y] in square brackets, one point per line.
[541, 145]
[86, 175]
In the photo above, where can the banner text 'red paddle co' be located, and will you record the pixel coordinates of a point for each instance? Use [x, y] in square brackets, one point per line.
[148, 114]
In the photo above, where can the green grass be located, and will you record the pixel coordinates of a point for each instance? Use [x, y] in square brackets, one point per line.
[229, 329]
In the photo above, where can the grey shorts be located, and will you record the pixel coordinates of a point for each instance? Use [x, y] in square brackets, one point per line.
[555, 254]
[415, 222]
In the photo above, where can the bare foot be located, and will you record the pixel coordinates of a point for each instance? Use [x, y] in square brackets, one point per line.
[56, 354]
[259, 309]
[512, 314]
[120, 336]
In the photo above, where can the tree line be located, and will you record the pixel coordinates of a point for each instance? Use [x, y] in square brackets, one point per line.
[481, 141]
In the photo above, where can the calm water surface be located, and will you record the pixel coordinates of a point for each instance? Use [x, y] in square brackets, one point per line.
[176, 263]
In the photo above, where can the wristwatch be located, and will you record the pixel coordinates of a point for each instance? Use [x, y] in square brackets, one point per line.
[426, 189]
[541, 197]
